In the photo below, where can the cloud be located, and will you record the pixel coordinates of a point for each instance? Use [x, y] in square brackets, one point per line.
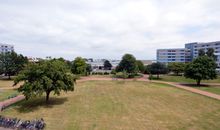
[106, 28]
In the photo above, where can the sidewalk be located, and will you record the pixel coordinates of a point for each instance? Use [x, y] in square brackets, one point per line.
[197, 91]
[11, 101]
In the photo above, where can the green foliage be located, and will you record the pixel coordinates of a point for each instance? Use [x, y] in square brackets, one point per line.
[202, 68]
[157, 68]
[122, 75]
[128, 64]
[79, 66]
[201, 52]
[45, 77]
[113, 71]
[107, 65]
[88, 69]
[176, 67]
[11, 63]
[211, 53]
[140, 66]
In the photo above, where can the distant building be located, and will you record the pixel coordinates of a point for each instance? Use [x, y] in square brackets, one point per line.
[148, 62]
[188, 53]
[6, 48]
[173, 55]
[34, 59]
[98, 64]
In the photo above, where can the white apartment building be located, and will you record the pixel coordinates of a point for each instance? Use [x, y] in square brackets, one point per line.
[173, 55]
[6, 48]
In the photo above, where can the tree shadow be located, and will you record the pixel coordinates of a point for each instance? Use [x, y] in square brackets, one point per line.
[194, 85]
[32, 105]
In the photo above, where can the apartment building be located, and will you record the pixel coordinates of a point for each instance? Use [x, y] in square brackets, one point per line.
[188, 53]
[6, 48]
[173, 55]
[195, 47]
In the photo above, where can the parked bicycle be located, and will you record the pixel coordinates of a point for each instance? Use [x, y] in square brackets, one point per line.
[15, 123]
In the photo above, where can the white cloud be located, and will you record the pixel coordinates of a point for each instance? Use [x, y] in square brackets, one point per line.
[106, 28]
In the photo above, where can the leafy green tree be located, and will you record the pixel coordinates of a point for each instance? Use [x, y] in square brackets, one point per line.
[202, 68]
[128, 64]
[45, 77]
[201, 52]
[158, 68]
[211, 53]
[140, 66]
[79, 66]
[88, 69]
[176, 67]
[11, 63]
[107, 65]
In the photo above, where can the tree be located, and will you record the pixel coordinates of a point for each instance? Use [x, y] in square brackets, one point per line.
[202, 68]
[79, 66]
[128, 64]
[176, 67]
[88, 69]
[11, 63]
[45, 77]
[201, 52]
[211, 53]
[107, 65]
[157, 68]
[140, 66]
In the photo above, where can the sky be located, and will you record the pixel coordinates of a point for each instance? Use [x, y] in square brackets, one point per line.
[106, 28]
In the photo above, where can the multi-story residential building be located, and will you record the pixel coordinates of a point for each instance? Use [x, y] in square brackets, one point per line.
[6, 48]
[195, 47]
[173, 55]
[188, 53]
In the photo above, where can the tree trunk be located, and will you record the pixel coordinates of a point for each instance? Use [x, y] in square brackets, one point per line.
[198, 82]
[9, 77]
[158, 76]
[47, 96]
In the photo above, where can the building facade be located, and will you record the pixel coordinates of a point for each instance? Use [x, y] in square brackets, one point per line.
[6, 48]
[188, 53]
[173, 55]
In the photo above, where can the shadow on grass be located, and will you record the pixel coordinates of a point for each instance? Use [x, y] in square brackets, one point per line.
[31, 105]
[194, 85]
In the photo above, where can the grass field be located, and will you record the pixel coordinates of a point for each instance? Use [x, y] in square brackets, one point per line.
[4, 94]
[182, 79]
[115, 105]
[6, 83]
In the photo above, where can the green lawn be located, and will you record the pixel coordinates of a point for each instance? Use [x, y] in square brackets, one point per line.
[182, 79]
[4, 94]
[112, 105]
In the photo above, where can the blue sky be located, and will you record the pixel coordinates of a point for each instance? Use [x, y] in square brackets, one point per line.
[106, 28]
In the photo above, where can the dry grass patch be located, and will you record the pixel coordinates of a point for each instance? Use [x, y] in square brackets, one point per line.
[123, 105]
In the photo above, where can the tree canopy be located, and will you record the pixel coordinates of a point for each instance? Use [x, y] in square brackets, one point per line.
[176, 67]
[128, 64]
[45, 77]
[202, 68]
[140, 66]
[107, 65]
[79, 66]
[11, 63]
[157, 68]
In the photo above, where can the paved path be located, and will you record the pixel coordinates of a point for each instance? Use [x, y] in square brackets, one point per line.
[191, 89]
[11, 101]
